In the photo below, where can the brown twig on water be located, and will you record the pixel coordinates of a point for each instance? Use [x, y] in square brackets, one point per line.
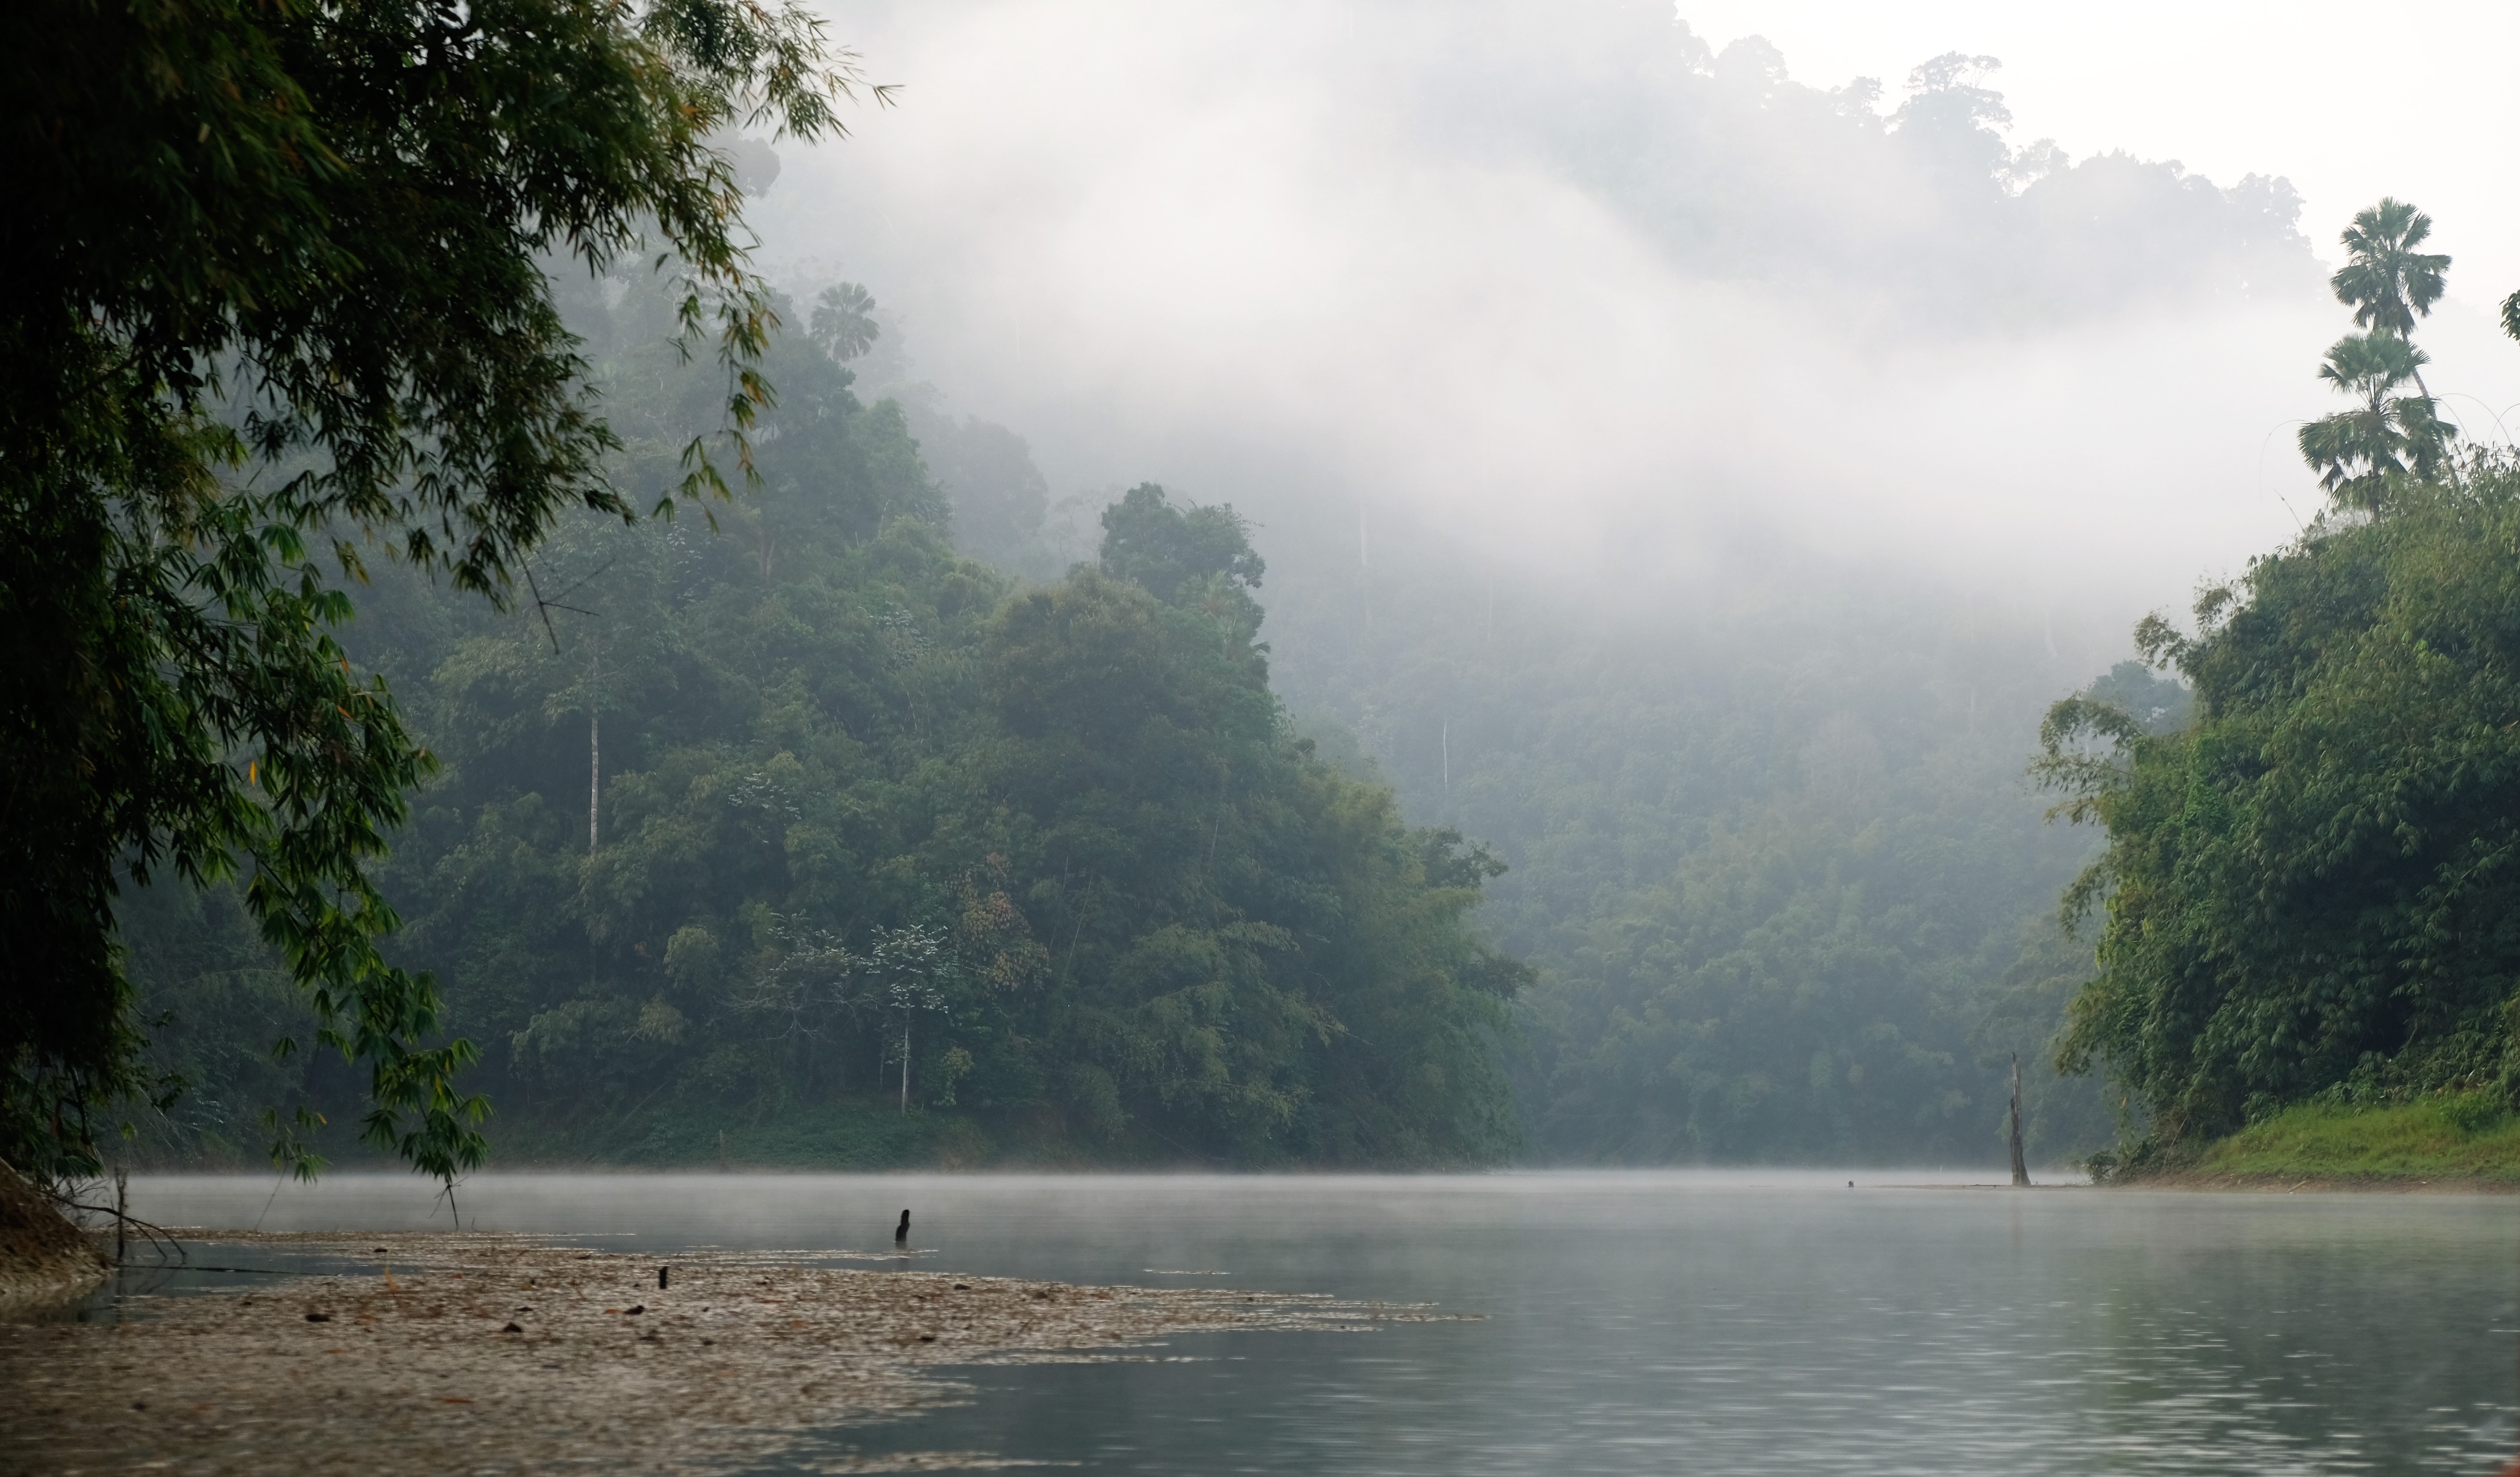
[68, 1202]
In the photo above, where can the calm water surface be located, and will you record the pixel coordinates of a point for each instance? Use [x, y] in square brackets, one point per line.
[1664, 1322]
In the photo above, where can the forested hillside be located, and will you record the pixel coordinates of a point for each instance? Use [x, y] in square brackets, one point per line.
[1788, 890]
[743, 820]
[804, 838]
[1787, 887]
[731, 812]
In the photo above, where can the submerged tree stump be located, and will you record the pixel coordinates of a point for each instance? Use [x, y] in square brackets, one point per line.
[2020, 1167]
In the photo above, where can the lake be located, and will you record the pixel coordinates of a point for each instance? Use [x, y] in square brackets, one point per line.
[1640, 1323]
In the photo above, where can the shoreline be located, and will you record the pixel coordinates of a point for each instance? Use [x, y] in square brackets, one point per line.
[474, 1352]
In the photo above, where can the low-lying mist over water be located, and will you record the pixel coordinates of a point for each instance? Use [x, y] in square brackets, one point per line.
[1613, 1323]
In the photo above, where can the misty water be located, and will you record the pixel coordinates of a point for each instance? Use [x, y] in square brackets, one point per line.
[1668, 1322]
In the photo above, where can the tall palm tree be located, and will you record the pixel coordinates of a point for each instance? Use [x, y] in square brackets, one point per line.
[2385, 279]
[843, 322]
[2358, 452]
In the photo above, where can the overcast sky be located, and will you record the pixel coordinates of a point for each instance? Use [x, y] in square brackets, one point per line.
[1224, 247]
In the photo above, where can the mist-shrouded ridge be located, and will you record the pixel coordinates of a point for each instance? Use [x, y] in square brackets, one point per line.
[1691, 479]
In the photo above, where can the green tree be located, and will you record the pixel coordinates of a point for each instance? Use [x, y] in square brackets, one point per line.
[2385, 279]
[279, 290]
[2362, 454]
[1168, 550]
[1260, 958]
[2390, 285]
[843, 322]
[1958, 121]
[2310, 889]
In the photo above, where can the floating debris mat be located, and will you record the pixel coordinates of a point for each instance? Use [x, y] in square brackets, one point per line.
[479, 1353]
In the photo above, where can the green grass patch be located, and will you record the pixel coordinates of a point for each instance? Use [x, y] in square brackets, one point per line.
[2460, 1138]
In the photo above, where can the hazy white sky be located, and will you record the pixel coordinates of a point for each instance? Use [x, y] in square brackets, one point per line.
[1208, 245]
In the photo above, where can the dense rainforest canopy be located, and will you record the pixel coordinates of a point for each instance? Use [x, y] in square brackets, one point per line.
[785, 829]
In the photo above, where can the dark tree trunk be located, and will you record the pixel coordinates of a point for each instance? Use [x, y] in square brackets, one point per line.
[2021, 1168]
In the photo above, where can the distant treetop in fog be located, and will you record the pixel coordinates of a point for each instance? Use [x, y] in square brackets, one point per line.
[1925, 204]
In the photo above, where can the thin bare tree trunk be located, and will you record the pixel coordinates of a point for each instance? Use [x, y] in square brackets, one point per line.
[905, 1068]
[2020, 1169]
[593, 747]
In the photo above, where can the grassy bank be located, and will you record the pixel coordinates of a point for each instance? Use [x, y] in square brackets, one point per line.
[2471, 1139]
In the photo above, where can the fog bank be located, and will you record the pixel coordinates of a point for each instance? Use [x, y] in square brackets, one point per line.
[1583, 292]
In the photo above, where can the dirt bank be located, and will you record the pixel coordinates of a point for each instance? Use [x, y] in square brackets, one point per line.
[479, 1353]
[43, 1258]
